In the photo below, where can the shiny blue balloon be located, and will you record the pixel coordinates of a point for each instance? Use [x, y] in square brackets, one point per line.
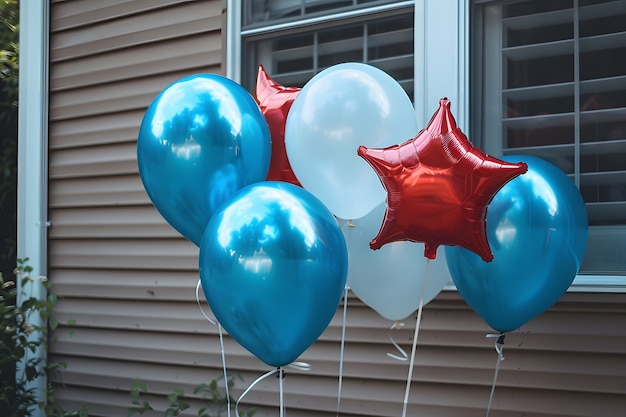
[273, 266]
[202, 139]
[537, 229]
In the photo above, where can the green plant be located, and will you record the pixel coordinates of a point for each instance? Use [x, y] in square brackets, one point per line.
[9, 70]
[211, 394]
[25, 326]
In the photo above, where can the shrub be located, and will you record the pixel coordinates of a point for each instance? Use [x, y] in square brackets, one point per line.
[22, 338]
[214, 398]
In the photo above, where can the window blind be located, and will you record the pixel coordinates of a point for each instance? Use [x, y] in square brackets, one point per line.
[553, 85]
[292, 57]
[271, 11]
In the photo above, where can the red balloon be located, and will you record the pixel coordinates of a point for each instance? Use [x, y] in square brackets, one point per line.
[275, 102]
[438, 187]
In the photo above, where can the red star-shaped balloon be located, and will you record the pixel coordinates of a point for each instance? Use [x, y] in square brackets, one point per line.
[275, 102]
[438, 187]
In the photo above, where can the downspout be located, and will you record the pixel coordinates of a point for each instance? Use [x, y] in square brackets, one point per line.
[32, 176]
[233, 40]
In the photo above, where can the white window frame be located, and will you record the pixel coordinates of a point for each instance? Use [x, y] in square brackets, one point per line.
[442, 45]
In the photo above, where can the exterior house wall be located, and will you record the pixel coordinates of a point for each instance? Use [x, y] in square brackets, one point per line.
[128, 279]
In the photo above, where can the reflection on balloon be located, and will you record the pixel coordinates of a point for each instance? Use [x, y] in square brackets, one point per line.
[537, 228]
[202, 139]
[391, 279]
[438, 187]
[275, 101]
[340, 108]
[273, 265]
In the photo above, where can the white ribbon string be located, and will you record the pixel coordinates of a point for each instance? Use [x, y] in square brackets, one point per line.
[350, 226]
[301, 366]
[414, 347]
[281, 376]
[403, 356]
[227, 388]
[256, 381]
[499, 345]
[343, 342]
[223, 352]
[206, 316]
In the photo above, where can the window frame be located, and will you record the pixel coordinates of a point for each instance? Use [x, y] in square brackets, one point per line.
[436, 74]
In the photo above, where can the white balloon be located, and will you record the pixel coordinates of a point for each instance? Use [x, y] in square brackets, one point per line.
[339, 109]
[391, 279]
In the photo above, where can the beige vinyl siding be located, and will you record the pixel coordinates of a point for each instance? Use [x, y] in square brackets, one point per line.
[128, 279]
[124, 275]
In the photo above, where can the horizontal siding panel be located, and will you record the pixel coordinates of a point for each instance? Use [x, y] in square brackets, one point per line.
[127, 284]
[116, 98]
[101, 402]
[70, 13]
[109, 222]
[115, 254]
[111, 391]
[436, 365]
[437, 362]
[199, 348]
[116, 403]
[96, 161]
[196, 51]
[151, 26]
[120, 190]
[159, 378]
[163, 316]
[105, 129]
[359, 396]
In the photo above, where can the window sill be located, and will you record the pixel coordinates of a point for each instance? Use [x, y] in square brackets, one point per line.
[599, 283]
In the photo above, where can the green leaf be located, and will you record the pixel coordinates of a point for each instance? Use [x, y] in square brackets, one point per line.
[200, 387]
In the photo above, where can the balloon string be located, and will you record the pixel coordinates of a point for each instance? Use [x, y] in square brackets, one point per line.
[223, 352]
[343, 342]
[227, 389]
[414, 347]
[256, 381]
[403, 356]
[350, 226]
[499, 345]
[206, 316]
[281, 376]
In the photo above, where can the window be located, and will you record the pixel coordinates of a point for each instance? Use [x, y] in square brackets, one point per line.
[549, 80]
[545, 78]
[296, 39]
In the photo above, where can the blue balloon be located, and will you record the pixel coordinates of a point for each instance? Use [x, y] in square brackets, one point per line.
[273, 266]
[537, 228]
[202, 139]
